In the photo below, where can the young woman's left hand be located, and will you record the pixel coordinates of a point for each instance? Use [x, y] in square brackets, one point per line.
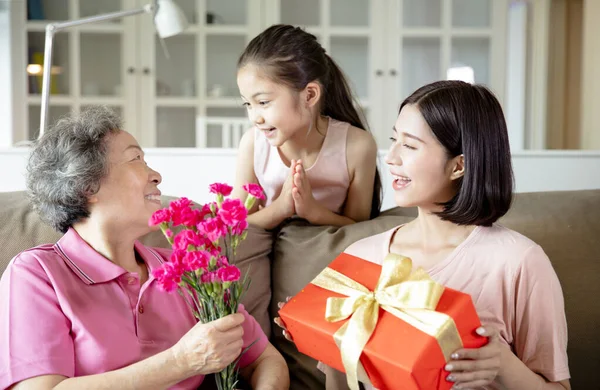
[304, 202]
[472, 368]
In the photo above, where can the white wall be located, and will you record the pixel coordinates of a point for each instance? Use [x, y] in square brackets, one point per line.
[188, 172]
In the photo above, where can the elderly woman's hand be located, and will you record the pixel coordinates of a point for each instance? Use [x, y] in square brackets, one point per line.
[209, 348]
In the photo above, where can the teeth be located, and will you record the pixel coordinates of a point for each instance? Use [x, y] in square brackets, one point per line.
[401, 178]
[153, 197]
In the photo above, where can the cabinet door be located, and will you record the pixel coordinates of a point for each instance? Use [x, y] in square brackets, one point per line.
[89, 62]
[445, 39]
[348, 31]
[197, 80]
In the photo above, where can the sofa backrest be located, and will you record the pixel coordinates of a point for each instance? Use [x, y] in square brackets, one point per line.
[565, 224]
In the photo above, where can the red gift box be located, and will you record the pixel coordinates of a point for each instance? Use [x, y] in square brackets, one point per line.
[397, 355]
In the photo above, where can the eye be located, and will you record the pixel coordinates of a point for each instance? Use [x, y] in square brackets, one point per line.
[246, 104]
[392, 139]
[409, 147]
[263, 102]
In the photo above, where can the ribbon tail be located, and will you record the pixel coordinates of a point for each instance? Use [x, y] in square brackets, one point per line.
[357, 332]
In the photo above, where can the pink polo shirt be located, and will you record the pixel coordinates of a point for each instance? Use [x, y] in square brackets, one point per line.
[67, 310]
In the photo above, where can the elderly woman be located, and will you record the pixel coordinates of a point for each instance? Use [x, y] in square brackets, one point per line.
[86, 313]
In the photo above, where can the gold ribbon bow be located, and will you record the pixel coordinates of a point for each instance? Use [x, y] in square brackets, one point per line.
[410, 296]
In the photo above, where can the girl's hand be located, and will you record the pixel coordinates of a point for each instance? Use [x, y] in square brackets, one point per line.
[472, 368]
[304, 202]
[285, 201]
[280, 323]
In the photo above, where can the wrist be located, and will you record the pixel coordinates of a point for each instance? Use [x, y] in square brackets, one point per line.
[315, 213]
[507, 361]
[178, 362]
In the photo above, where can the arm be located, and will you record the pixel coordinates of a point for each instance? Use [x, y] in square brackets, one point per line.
[270, 216]
[539, 360]
[157, 372]
[43, 357]
[268, 372]
[361, 152]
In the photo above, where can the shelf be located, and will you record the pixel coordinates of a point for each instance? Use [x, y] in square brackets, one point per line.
[55, 100]
[95, 28]
[176, 101]
[224, 102]
[65, 100]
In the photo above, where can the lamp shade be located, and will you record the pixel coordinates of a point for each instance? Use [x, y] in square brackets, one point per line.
[169, 19]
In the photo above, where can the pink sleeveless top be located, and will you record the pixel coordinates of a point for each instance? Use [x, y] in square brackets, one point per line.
[328, 176]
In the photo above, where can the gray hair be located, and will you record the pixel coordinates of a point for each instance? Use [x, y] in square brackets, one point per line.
[66, 165]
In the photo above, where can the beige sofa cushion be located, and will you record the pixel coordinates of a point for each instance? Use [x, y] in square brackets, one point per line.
[300, 253]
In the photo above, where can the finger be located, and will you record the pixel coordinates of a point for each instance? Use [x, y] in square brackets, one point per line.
[472, 385]
[228, 322]
[296, 194]
[487, 331]
[279, 323]
[287, 299]
[281, 304]
[472, 365]
[288, 336]
[485, 352]
[465, 377]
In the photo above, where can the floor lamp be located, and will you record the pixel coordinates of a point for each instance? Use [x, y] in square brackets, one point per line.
[168, 20]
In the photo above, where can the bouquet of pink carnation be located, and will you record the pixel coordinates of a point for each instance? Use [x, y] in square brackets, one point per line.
[199, 267]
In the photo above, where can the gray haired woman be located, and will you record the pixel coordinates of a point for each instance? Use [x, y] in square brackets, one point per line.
[86, 312]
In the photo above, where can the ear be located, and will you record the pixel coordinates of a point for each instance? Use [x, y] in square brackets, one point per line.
[312, 94]
[458, 167]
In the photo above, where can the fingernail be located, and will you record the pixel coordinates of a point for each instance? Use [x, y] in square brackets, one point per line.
[450, 378]
[480, 331]
[280, 305]
[448, 367]
[454, 356]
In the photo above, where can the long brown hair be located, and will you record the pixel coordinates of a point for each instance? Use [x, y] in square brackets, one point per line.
[293, 57]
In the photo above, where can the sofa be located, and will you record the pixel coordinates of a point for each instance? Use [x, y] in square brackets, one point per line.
[282, 261]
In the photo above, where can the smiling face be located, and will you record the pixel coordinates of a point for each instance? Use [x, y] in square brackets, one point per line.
[273, 108]
[128, 194]
[423, 173]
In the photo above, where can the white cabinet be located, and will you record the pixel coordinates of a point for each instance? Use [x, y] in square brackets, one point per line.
[123, 65]
[387, 48]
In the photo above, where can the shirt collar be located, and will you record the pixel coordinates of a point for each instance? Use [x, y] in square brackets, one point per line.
[90, 266]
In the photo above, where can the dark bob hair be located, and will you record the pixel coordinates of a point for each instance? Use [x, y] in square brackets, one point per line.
[468, 119]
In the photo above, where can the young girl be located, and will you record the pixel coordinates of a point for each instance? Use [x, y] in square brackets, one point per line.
[307, 149]
[450, 158]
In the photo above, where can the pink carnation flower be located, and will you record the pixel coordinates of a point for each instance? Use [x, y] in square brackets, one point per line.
[168, 277]
[197, 260]
[232, 212]
[239, 228]
[208, 277]
[181, 211]
[229, 273]
[186, 238]
[213, 229]
[160, 216]
[255, 190]
[221, 189]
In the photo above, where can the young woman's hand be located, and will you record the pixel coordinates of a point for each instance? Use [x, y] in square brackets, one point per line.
[280, 323]
[472, 368]
[305, 204]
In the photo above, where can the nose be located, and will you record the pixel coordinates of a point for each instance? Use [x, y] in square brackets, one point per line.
[255, 116]
[393, 155]
[154, 176]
